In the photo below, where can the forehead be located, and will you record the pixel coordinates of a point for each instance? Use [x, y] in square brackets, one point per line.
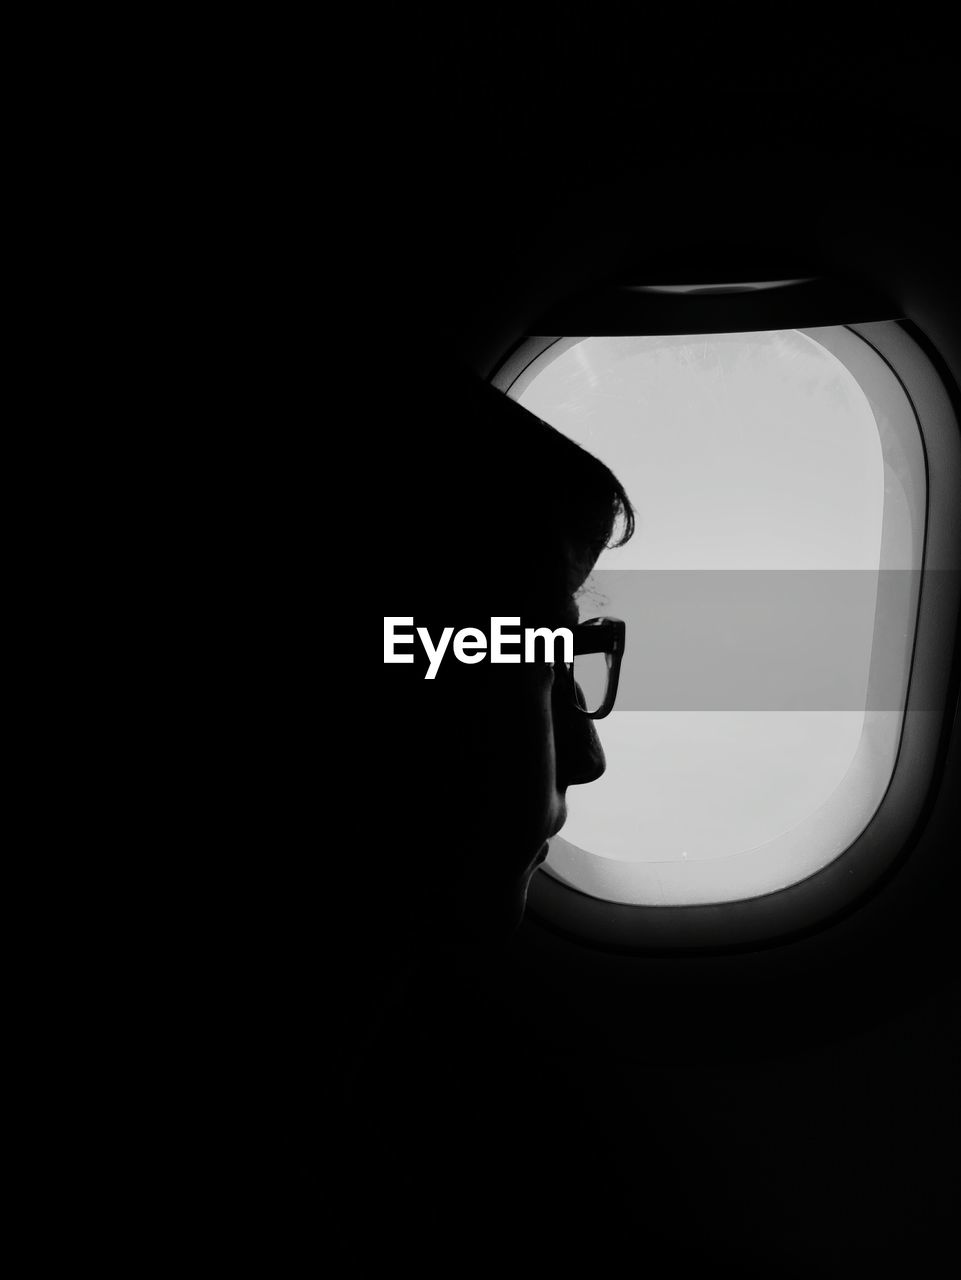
[553, 597]
[550, 569]
[560, 610]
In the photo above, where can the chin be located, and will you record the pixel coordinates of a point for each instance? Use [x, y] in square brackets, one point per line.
[480, 916]
[513, 911]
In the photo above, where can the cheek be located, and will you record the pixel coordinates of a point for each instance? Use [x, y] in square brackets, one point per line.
[523, 762]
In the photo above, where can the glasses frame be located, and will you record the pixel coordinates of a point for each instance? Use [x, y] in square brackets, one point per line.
[598, 635]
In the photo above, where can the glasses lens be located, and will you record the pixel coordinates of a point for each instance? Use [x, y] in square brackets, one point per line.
[591, 674]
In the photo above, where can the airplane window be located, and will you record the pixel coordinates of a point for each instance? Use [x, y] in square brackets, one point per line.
[770, 594]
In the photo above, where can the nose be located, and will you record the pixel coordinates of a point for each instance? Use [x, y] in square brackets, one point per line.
[579, 754]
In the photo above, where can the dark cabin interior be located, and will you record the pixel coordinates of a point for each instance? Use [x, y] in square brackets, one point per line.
[783, 1110]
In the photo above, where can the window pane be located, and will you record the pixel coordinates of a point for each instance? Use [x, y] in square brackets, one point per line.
[765, 481]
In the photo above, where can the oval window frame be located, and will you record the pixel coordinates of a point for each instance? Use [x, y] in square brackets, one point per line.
[930, 709]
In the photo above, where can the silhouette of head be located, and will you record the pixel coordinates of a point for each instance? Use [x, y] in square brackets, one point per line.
[489, 512]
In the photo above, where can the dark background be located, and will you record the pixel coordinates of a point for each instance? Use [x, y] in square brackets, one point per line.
[787, 1111]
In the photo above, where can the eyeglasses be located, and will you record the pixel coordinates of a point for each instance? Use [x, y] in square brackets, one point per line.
[594, 673]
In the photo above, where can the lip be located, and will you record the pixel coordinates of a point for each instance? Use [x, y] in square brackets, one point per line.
[543, 851]
[561, 819]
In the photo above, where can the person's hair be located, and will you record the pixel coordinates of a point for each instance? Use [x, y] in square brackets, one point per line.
[490, 507]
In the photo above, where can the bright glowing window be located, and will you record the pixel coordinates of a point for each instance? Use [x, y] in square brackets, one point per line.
[770, 594]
